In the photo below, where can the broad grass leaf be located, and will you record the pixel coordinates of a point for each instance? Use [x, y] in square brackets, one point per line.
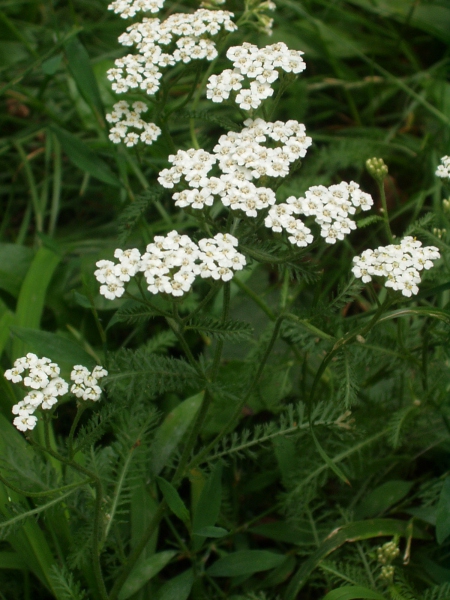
[245, 562]
[177, 588]
[172, 497]
[383, 497]
[351, 592]
[15, 260]
[206, 512]
[443, 513]
[212, 532]
[172, 431]
[83, 157]
[80, 67]
[30, 303]
[143, 572]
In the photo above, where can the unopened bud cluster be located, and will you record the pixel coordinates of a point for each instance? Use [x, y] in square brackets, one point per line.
[259, 68]
[443, 169]
[377, 168]
[171, 264]
[399, 263]
[387, 553]
[46, 386]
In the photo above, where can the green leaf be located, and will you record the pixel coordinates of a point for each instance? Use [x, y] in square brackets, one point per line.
[206, 512]
[172, 497]
[350, 592]
[11, 560]
[383, 497]
[245, 562]
[177, 588]
[212, 532]
[54, 346]
[15, 260]
[51, 65]
[230, 330]
[421, 311]
[333, 466]
[443, 513]
[80, 67]
[143, 572]
[83, 157]
[172, 431]
[30, 303]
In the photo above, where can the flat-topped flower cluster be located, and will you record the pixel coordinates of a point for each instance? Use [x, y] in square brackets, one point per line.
[241, 157]
[331, 208]
[258, 68]
[443, 169]
[399, 263]
[129, 8]
[123, 118]
[183, 35]
[46, 386]
[171, 264]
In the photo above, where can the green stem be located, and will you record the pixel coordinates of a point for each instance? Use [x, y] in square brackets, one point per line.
[28, 494]
[385, 211]
[97, 512]
[238, 410]
[175, 327]
[349, 337]
[135, 554]
[257, 299]
[201, 304]
[80, 411]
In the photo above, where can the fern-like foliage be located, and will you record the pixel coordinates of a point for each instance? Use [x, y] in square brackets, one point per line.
[228, 330]
[64, 584]
[437, 592]
[132, 312]
[161, 342]
[137, 374]
[205, 115]
[292, 422]
[421, 225]
[345, 371]
[130, 216]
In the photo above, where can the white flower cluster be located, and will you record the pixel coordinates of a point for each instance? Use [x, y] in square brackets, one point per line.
[399, 263]
[330, 207]
[443, 169]
[261, 66]
[171, 263]
[114, 276]
[129, 8]
[85, 384]
[123, 118]
[142, 70]
[46, 385]
[241, 157]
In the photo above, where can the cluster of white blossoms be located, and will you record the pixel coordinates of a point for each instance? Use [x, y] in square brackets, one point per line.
[399, 263]
[443, 169]
[171, 263]
[241, 157]
[185, 32]
[123, 118]
[331, 208]
[129, 8]
[85, 384]
[259, 65]
[46, 385]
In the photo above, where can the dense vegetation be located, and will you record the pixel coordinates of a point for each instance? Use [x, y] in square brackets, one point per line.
[280, 435]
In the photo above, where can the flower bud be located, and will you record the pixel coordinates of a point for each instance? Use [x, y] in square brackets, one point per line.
[377, 168]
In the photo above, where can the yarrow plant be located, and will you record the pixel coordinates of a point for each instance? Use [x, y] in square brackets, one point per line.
[250, 313]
